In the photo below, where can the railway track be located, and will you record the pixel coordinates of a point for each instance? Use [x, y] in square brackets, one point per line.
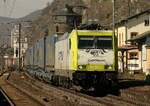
[60, 94]
[111, 99]
[29, 96]
[16, 96]
[79, 98]
[5, 99]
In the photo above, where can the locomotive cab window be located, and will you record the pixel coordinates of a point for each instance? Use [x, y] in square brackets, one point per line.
[104, 42]
[94, 42]
[85, 42]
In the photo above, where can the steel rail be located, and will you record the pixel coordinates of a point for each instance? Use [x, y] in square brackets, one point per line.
[7, 97]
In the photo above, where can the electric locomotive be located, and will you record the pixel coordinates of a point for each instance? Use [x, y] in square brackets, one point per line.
[87, 58]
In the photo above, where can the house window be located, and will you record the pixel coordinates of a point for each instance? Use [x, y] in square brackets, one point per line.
[25, 39]
[133, 34]
[133, 55]
[57, 28]
[22, 45]
[146, 21]
[16, 53]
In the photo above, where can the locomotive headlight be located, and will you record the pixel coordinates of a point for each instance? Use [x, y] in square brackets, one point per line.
[108, 67]
[80, 67]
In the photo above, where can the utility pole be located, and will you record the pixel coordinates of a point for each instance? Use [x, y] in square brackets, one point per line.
[19, 38]
[129, 8]
[113, 20]
[46, 34]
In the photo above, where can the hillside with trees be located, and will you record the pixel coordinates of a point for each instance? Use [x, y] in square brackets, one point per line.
[96, 10]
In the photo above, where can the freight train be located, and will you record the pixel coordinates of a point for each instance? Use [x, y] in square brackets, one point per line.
[86, 58]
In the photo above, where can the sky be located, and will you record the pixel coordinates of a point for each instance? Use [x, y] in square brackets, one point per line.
[20, 8]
